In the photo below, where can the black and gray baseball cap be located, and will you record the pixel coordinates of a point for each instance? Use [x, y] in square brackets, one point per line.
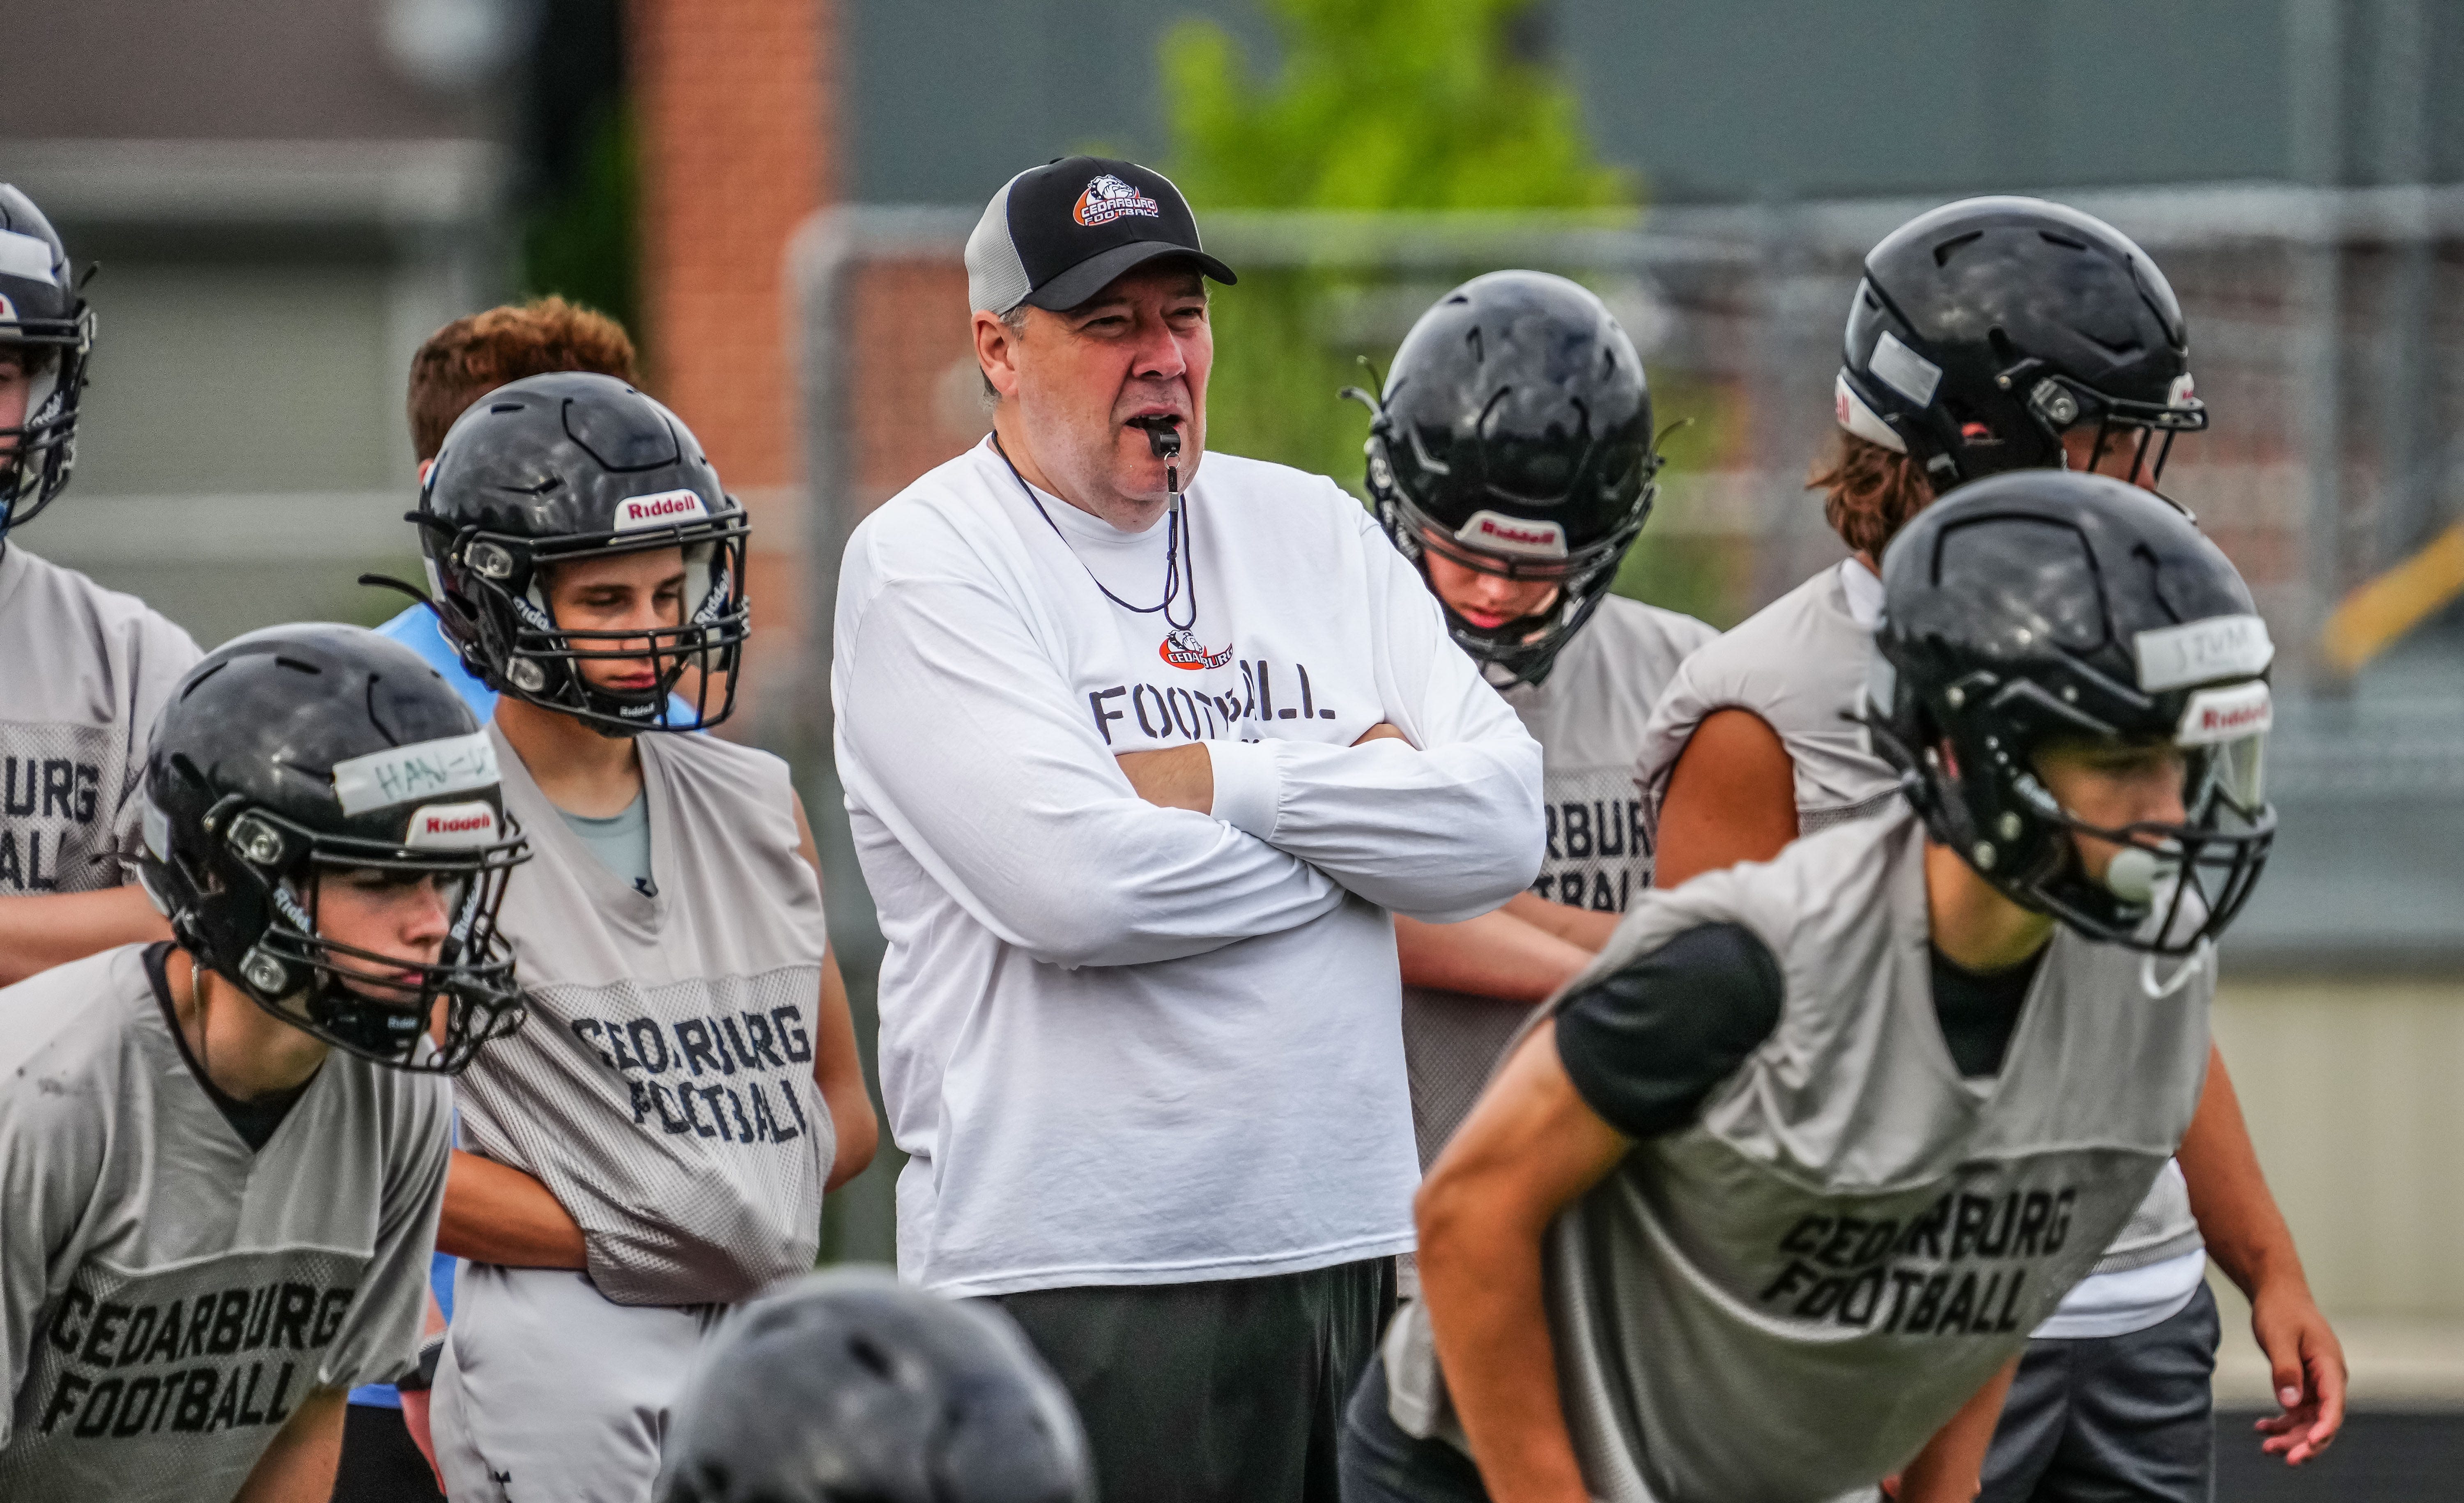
[1057, 234]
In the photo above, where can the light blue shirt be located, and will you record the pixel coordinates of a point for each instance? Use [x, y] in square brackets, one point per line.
[418, 630]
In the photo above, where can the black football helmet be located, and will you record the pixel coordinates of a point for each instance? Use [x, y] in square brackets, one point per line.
[1985, 328]
[42, 313]
[301, 750]
[2043, 606]
[1514, 437]
[566, 466]
[850, 1388]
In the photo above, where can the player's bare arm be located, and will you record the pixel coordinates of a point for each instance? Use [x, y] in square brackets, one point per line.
[38, 932]
[837, 1069]
[1952, 1467]
[1731, 798]
[299, 1466]
[1501, 955]
[1529, 1149]
[2247, 1237]
[1584, 928]
[496, 1213]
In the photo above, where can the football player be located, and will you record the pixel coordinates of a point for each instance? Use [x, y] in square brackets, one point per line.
[383, 1461]
[223, 1153]
[1791, 1172]
[849, 1384]
[655, 1146]
[1990, 335]
[1512, 459]
[89, 668]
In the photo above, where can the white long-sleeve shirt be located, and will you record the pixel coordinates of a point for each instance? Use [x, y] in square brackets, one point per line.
[1125, 1044]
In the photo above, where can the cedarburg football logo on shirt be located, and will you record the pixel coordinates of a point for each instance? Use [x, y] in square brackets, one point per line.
[1181, 648]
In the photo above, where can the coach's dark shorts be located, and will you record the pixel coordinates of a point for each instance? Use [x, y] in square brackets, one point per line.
[1222, 1392]
[2120, 1419]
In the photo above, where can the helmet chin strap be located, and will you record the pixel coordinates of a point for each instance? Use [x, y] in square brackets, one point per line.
[2197, 961]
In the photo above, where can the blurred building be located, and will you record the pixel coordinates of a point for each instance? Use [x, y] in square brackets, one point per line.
[1747, 100]
[284, 200]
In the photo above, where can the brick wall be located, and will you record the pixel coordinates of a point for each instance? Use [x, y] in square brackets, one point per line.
[735, 108]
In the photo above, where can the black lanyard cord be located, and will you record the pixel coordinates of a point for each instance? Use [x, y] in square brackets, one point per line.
[1179, 565]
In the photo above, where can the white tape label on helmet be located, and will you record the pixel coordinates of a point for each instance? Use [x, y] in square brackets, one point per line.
[663, 510]
[27, 256]
[451, 827]
[2220, 647]
[2226, 715]
[421, 770]
[1905, 371]
[1495, 532]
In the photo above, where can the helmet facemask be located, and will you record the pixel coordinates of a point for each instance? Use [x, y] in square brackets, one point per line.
[248, 911]
[1523, 649]
[1969, 760]
[37, 454]
[495, 599]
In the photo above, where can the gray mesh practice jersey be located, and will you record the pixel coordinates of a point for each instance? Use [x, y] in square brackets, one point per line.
[88, 670]
[1784, 1300]
[1800, 665]
[1588, 715]
[663, 1089]
[167, 1296]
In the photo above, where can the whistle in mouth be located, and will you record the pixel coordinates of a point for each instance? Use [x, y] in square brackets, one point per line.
[1163, 435]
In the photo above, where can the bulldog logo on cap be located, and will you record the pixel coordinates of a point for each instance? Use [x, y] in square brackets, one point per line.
[1108, 198]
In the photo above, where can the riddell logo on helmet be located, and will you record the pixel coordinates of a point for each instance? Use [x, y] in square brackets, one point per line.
[451, 827]
[1498, 533]
[2226, 715]
[663, 510]
[1108, 198]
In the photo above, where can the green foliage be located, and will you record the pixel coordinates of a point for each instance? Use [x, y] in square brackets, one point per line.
[583, 244]
[1381, 104]
[1384, 106]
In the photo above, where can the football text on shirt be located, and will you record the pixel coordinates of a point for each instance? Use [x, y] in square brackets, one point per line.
[222, 1358]
[1178, 713]
[1955, 1269]
[683, 1074]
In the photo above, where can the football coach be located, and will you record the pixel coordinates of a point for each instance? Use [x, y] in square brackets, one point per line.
[1143, 745]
